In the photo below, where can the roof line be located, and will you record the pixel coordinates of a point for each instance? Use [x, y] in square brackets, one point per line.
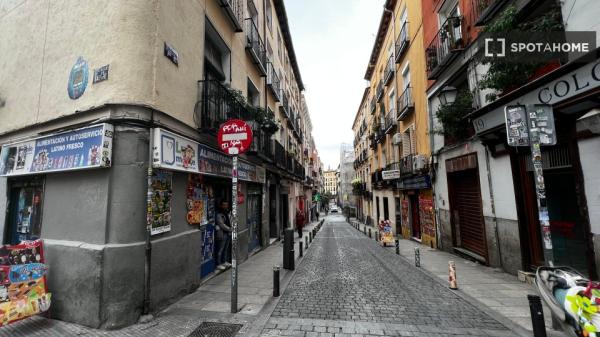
[381, 31]
[287, 39]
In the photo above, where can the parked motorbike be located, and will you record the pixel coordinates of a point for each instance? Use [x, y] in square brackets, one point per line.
[572, 300]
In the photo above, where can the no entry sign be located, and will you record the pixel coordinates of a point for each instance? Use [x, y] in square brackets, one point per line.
[234, 137]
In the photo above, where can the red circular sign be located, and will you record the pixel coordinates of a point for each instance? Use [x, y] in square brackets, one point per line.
[234, 136]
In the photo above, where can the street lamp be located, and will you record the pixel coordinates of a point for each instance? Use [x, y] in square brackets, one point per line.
[447, 95]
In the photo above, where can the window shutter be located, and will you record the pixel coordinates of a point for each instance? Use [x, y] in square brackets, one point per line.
[413, 144]
[405, 143]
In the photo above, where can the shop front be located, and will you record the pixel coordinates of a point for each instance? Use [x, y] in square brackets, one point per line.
[415, 202]
[570, 184]
[207, 173]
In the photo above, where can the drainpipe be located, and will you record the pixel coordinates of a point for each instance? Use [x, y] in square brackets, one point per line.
[489, 177]
[148, 244]
[436, 212]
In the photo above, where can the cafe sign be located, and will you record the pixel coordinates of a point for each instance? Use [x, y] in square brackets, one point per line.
[85, 148]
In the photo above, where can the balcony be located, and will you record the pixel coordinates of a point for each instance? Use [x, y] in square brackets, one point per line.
[262, 145]
[298, 170]
[289, 162]
[388, 73]
[217, 104]
[235, 12]
[406, 104]
[379, 91]
[406, 166]
[279, 154]
[444, 47]
[485, 10]
[273, 81]
[380, 134]
[402, 42]
[390, 121]
[256, 47]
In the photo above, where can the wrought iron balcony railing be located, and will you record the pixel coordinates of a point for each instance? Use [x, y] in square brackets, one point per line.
[373, 105]
[444, 47]
[379, 91]
[402, 41]
[256, 47]
[406, 165]
[273, 81]
[216, 104]
[388, 73]
[405, 104]
[235, 12]
[280, 155]
[284, 106]
[390, 121]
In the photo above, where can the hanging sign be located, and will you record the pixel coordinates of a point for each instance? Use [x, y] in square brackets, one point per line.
[390, 175]
[174, 152]
[234, 137]
[85, 148]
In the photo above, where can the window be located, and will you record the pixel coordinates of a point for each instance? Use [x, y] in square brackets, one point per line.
[253, 95]
[217, 56]
[408, 142]
[269, 15]
[406, 76]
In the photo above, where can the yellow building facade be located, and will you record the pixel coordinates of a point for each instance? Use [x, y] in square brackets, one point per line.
[398, 184]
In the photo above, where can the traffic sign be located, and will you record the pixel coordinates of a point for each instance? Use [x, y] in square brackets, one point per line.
[234, 137]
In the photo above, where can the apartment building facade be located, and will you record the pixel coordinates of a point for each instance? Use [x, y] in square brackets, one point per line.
[486, 196]
[331, 182]
[111, 158]
[394, 110]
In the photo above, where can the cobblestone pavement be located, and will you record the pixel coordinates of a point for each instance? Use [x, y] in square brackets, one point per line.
[348, 285]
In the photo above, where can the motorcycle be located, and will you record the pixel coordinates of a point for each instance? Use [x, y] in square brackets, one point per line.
[572, 300]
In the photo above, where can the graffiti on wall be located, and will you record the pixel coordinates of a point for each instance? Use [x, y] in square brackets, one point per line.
[426, 216]
[23, 291]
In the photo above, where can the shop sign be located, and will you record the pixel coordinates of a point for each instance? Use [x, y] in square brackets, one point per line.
[213, 162]
[390, 175]
[584, 79]
[174, 152]
[414, 183]
[84, 148]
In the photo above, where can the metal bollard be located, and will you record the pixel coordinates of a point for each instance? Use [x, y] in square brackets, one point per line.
[309, 237]
[292, 259]
[369, 233]
[537, 316]
[276, 269]
[377, 236]
[300, 247]
[397, 247]
[306, 242]
[288, 246]
[417, 257]
[365, 229]
[452, 275]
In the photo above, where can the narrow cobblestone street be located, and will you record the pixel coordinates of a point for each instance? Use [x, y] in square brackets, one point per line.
[348, 285]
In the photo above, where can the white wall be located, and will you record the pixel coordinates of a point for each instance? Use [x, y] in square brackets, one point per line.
[582, 15]
[503, 186]
[589, 154]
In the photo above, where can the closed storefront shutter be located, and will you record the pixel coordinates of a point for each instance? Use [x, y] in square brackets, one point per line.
[467, 211]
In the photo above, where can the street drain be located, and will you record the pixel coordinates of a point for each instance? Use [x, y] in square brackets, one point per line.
[213, 329]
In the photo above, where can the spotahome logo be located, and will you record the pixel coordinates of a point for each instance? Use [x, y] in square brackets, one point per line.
[535, 47]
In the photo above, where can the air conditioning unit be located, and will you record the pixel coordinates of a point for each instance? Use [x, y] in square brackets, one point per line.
[397, 139]
[419, 162]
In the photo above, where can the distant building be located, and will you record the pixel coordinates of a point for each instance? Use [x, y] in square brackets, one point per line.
[330, 177]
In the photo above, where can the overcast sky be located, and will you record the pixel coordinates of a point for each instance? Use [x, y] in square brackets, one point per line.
[333, 41]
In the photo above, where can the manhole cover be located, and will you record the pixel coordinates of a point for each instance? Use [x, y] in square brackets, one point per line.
[213, 329]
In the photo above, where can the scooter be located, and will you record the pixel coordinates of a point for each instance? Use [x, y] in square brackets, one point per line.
[548, 280]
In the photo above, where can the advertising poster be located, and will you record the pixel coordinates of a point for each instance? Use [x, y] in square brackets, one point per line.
[197, 200]
[160, 201]
[405, 220]
[23, 290]
[426, 216]
[175, 152]
[89, 147]
[385, 232]
[208, 243]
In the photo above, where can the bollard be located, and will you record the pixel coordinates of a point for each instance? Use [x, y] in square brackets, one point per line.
[309, 237]
[292, 258]
[452, 275]
[377, 236]
[276, 281]
[305, 242]
[397, 247]
[369, 233]
[537, 316]
[417, 257]
[365, 229]
[300, 247]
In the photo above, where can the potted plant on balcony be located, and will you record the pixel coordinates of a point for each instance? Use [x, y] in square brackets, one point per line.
[503, 77]
[259, 116]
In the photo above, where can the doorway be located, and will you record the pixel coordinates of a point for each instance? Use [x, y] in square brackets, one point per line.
[415, 221]
[273, 232]
[24, 210]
